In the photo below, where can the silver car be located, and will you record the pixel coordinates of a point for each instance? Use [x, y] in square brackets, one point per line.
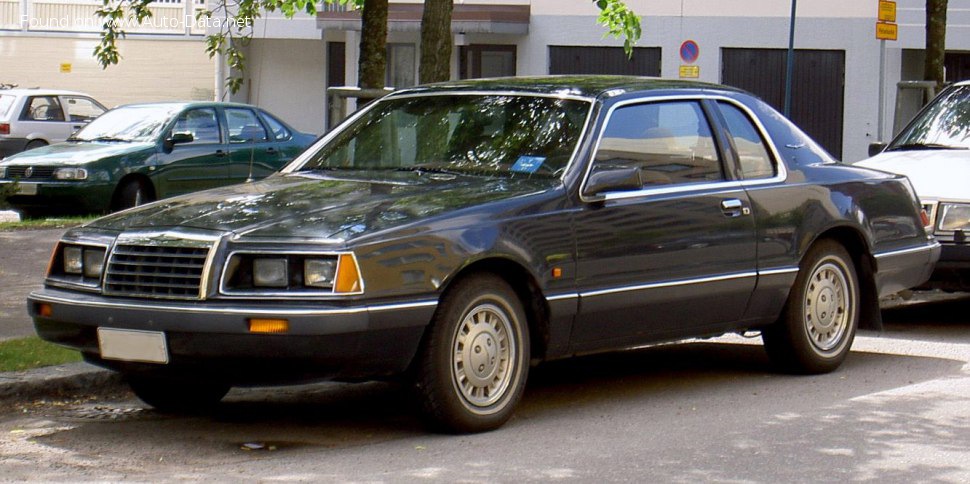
[31, 118]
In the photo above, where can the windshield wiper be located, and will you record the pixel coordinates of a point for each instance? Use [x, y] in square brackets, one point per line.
[924, 146]
[431, 168]
[104, 138]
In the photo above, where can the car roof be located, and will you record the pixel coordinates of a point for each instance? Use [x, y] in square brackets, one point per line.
[189, 104]
[592, 86]
[33, 91]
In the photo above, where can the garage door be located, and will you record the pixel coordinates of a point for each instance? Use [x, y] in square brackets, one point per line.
[604, 60]
[818, 90]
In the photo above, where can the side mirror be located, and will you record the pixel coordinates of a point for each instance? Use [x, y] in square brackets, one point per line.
[877, 147]
[177, 139]
[613, 179]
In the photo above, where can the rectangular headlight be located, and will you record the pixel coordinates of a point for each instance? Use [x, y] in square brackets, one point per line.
[70, 173]
[93, 262]
[73, 259]
[3, 172]
[954, 217]
[270, 273]
[319, 272]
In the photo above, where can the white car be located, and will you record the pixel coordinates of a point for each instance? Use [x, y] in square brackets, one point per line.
[934, 152]
[31, 118]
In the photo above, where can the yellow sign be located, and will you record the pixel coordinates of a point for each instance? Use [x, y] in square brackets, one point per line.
[887, 11]
[66, 67]
[690, 72]
[887, 31]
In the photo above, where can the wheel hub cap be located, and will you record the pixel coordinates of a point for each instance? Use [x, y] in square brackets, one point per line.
[826, 310]
[482, 355]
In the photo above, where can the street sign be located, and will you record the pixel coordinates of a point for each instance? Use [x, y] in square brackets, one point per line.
[887, 31]
[689, 51]
[887, 11]
[690, 72]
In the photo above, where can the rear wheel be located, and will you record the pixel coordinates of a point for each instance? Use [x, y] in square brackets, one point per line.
[474, 362]
[37, 143]
[818, 324]
[178, 396]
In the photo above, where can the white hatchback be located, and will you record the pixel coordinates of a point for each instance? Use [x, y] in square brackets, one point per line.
[934, 152]
[31, 118]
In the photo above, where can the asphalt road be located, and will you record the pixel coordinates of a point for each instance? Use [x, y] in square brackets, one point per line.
[23, 262]
[705, 411]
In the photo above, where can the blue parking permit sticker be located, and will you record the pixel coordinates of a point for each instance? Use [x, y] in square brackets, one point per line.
[528, 164]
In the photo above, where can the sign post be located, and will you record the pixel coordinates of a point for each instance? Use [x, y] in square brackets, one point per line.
[689, 52]
[886, 29]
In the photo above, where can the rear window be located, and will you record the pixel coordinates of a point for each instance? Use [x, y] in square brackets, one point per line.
[6, 102]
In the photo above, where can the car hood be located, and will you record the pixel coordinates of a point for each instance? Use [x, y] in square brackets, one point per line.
[936, 174]
[315, 206]
[75, 153]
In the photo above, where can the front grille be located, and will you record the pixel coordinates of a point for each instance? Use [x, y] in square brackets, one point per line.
[156, 271]
[30, 172]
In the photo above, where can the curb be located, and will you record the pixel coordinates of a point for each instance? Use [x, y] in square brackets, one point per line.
[58, 381]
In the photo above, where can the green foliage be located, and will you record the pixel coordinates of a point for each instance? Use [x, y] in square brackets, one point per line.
[26, 353]
[619, 21]
[7, 190]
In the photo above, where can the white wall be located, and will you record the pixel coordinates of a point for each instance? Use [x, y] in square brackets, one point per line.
[287, 78]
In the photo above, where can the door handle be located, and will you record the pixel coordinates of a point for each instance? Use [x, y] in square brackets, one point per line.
[733, 207]
[271, 150]
[220, 153]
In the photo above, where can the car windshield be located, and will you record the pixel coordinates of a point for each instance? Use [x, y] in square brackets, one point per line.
[474, 134]
[128, 123]
[944, 125]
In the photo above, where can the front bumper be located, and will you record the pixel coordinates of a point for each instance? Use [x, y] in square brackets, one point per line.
[952, 272]
[212, 341]
[74, 197]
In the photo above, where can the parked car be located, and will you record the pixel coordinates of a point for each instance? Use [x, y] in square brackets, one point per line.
[143, 152]
[933, 150]
[451, 234]
[31, 118]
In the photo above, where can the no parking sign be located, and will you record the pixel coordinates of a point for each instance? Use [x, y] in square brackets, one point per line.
[689, 52]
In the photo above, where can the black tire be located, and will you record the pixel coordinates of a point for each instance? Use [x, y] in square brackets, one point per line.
[818, 324]
[178, 396]
[37, 143]
[480, 320]
[132, 194]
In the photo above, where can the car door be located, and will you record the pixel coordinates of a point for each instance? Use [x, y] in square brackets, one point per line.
[43, 118]
[254, 154]
[197, 165]
[675, 255]
[80, 110]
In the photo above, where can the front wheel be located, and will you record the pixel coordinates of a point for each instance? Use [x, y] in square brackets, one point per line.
[178, 396]
[818, 324]
[474, 363]
[132, 194]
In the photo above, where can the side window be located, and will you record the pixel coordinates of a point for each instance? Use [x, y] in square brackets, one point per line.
[201, 123]
[670, 142]
[82, 109]
[751, 149]
[280, 133]
[244, 126]
[43, 108]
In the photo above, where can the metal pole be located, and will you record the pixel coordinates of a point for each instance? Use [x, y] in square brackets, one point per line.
[882, 91]
[791, 59]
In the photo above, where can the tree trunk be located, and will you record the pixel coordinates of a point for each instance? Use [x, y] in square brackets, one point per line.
[935, 41]
[373, 45]
[436, 41]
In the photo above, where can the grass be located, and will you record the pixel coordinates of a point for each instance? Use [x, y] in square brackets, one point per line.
[47, 223]
[32, 352]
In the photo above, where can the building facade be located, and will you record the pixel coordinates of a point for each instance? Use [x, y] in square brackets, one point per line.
[742, 43]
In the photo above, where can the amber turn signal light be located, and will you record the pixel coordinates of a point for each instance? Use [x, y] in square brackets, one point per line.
[348, 275]
[273, 326]
[44, 310]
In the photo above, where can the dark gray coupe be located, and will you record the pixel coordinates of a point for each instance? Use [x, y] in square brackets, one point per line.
[454, 234]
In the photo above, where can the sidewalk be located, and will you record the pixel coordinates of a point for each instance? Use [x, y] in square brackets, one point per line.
[57, 381]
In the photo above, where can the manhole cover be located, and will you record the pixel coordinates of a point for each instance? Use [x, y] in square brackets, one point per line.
[105, 413]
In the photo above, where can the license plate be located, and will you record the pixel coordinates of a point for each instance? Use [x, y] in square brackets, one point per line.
[131, 345]
[27, 189]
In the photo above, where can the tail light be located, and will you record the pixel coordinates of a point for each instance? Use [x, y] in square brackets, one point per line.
[4, 128]
[925, 217]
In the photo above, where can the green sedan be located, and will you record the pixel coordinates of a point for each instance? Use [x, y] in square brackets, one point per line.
[138, 153]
